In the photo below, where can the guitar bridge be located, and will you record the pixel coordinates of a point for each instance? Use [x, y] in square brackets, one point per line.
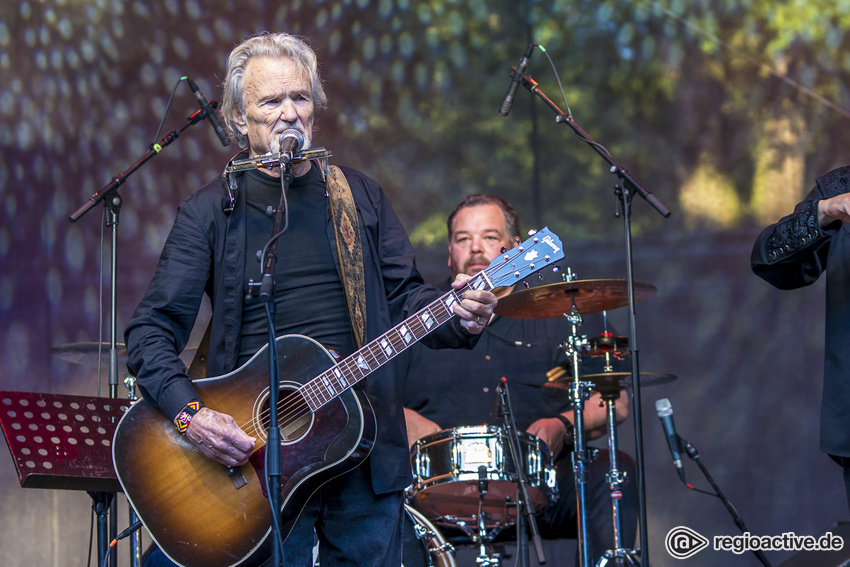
[236, 477]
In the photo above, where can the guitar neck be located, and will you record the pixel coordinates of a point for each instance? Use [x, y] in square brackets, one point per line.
[352, 369]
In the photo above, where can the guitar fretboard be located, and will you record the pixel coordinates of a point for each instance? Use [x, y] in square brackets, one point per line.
[336, 380]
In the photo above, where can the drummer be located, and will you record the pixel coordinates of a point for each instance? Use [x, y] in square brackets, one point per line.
[448, 389]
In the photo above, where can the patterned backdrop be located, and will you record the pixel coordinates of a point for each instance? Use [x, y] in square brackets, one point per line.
[688, 96]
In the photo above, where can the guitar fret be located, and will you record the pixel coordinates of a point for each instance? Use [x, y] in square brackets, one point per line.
[405, 334]
[398, 342]
[387, 347]
[448, 301]
[319, 392]
[427, 319]
[375, 353]
[328, 385]
[308, 390]
[340, 377]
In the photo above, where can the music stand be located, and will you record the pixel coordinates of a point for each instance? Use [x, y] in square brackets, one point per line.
[65, 442]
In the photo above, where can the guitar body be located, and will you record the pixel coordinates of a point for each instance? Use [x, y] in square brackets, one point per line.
[201, 513]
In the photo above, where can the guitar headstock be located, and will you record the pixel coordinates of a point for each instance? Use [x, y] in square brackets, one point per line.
[538, 251]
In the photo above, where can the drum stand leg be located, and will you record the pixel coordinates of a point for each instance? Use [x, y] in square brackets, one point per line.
[615, 478]
[580, 391]
[484, 559]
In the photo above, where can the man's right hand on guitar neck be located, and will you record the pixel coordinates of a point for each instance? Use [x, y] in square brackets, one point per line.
[217, 436]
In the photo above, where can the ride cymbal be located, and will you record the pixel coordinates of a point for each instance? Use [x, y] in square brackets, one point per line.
[554, 300]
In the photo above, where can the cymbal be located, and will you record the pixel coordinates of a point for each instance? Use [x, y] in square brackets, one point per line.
[554, 300]
[604, 382]
[86, 354]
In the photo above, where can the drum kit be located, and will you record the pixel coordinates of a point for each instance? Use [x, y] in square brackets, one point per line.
[465, 478]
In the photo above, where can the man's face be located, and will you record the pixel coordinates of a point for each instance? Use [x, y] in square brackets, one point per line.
[277, 96]
[479, 236]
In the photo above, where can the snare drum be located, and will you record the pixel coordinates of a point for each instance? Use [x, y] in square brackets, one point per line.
[446, 477]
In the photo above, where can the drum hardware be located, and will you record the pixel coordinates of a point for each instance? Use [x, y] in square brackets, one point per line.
[484, 558]
[574, 345]
[616, 478]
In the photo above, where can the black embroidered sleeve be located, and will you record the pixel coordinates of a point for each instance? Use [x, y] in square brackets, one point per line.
[796, 233]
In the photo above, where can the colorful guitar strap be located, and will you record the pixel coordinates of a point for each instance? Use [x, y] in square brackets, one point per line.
[349, 248]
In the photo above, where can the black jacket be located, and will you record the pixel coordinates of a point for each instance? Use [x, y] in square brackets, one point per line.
[793, 253]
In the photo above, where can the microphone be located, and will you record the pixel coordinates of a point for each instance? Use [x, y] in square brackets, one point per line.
[205, 104]
[291, 142]
[665, 414]
[515, 81]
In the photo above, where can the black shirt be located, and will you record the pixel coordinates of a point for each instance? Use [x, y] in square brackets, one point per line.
[309, 296]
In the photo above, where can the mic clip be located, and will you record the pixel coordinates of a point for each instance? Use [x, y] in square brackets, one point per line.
[203, 112]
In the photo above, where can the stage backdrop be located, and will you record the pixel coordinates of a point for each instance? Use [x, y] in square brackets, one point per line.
[726, 111]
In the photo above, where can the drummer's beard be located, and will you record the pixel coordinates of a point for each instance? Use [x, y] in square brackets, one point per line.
[478, 259]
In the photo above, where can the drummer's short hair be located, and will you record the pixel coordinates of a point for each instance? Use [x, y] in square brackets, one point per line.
[478, 199]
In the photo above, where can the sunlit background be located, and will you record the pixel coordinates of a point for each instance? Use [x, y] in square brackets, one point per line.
[725, 110]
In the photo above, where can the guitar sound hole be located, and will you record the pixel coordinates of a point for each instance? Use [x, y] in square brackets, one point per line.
[294, 416]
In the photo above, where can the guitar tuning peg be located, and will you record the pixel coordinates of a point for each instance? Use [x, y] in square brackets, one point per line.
[525, 283]
[556, 269]
[532, 232]
[504, 249]
[539, 276]
[517, 239]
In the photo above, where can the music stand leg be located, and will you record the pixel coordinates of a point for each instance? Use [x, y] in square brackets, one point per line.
[101, 504]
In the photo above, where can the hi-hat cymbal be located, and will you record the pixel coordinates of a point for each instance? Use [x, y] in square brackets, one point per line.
[86, 354]
[554, 300]
[604, 382]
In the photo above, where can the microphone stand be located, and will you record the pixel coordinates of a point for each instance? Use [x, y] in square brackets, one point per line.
[736, 517]
[627, 188]
[274, 438]
[109, 194]
[525, 507]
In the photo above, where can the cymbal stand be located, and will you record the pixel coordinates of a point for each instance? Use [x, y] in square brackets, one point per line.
[574, 345]
[112, 202]
[615, 478]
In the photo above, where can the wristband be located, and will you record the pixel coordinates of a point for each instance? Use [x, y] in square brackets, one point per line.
[185, 416]
[568, 436]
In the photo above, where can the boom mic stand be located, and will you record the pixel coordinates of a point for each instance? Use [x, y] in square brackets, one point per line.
[625, 191]
[736, 517]
[109, 194]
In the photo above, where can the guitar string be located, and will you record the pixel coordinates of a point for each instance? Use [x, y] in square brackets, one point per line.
[292, 407]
